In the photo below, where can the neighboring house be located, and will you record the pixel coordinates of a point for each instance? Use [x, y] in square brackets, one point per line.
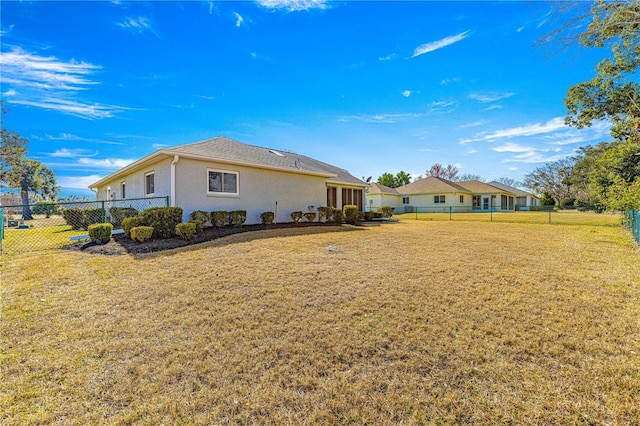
[432, 194]
[524, 200]
[224, 174]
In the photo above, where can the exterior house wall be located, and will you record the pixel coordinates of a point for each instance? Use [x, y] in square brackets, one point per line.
[426, 202]
[379, 199]
[134, 183]
[259, 190]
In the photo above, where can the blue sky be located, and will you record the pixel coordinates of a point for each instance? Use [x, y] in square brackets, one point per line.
[372, 87]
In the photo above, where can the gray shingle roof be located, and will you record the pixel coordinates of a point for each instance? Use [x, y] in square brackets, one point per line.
[222, 148]
[511, 189]
[378, 188]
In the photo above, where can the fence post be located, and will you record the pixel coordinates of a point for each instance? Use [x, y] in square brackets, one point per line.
[416, 213]
[167, 200]
[449, 213]
[104, 216]
[1, 225]
[549, 216]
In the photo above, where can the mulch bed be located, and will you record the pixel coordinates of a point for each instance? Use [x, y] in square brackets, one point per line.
[121, 244]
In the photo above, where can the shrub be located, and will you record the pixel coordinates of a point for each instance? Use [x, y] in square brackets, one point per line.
[100, 232]
[82, 218]
[267, 218]
[201, 215]
[130, 222]
[186, 231]
[351, 214]
[198, 224]
[310, 216]
[547, 200]
[141, 233]
[336, 215]
[324, 213]
[238, 217]
[118, 214]
[163, 220]
[368, 216]
[296, 216]
[386, 211]
[46, 208]
[220, 218]
[567, 203]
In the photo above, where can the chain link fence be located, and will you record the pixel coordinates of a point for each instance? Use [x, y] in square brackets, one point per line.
[47, 225]
[632, 221]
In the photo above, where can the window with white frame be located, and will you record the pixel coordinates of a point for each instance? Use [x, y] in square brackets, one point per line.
[438, 199]
[405, 200]
[222, 182]
[461, 199]
[149, 183]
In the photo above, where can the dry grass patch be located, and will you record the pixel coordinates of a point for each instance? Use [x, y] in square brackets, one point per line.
[410, 323]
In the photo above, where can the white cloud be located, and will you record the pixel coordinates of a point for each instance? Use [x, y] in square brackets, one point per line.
[9, 92]
[439, 44]
[78, 109]
[107, 163]
[378, 118]
[473, 124]
[159, 145]
[446, 81]
[528, 130]
[442, 106]
[72, 153]
[406, 93]
[527, 154]
[140, 25]
[294, 5]
[239, 19]
[77, 182]
[490, 97]
[50, 83]
[4, 32]
[387, 58]
[492, 107]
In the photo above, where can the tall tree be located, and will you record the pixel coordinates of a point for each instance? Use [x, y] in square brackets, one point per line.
[32, 177]
[613, 93]
[401, 178]
[387, 179]
[553, 178]
[449, 172]
[508, 181]
[468, 176]
[12, 148]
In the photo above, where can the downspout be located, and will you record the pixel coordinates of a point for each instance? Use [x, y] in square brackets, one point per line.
[95, 191]
[176, 158]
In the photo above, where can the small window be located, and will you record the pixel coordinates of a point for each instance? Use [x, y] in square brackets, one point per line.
[461, 199]
[149, 184]
[405, 200]
[438, 199]
[222, 182]
[124, 190]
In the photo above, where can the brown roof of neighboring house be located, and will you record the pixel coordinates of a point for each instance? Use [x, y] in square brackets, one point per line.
[378, 188]
[430, 184]
[511, 189]
[480, 187]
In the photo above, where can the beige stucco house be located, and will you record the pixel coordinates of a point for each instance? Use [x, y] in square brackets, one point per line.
[224, 174]
[432, 194]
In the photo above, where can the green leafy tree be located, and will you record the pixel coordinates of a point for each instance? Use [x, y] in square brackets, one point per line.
[401, 178]
[30, 176]
[12, 148]
[613, 93]
[387, 179]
